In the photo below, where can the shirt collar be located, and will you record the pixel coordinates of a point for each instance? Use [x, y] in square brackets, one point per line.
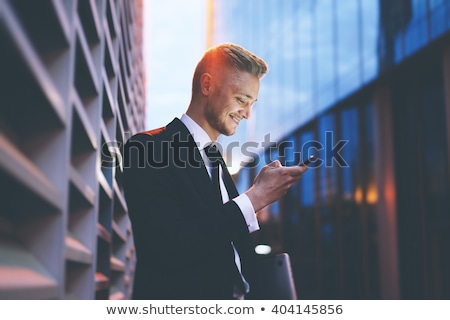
[198, 134]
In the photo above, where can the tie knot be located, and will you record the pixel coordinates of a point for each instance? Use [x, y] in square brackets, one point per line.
[213, 153]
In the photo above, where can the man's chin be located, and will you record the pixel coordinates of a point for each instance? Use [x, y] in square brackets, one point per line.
[229, 132]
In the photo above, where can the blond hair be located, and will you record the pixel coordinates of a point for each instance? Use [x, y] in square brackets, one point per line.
[228, 54]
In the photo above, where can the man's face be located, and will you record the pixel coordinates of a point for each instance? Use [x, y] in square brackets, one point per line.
[233, 94]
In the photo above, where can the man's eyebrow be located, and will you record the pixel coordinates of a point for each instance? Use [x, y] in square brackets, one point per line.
[250, 97]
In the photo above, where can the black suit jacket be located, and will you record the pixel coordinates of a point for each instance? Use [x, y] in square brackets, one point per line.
[182, 236]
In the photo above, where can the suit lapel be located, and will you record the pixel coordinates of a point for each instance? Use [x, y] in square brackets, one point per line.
[186, 156]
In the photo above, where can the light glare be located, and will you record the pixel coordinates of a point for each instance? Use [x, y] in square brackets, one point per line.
[263, 249]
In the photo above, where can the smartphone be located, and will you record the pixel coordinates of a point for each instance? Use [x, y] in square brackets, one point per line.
[308, 160]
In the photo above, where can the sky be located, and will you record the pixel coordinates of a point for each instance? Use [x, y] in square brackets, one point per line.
[174, 41]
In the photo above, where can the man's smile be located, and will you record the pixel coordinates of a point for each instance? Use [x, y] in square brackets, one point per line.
[235, 118]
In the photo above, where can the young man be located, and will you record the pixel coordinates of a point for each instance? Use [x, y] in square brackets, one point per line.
[191, 227]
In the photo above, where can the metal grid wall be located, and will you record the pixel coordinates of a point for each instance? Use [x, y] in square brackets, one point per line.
[71, 93]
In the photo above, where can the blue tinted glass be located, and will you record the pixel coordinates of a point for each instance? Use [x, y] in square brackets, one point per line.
[398, 45]
[394, 17]
[307, 186]
[244, 180]
[290, 62]
[349, 134]
[250, 24]
[289, 151]
[274, 155]
[324, 50]
[416, 32]
[267, 117]
[435, 4]
[369, 37]
[439, 13]
[327, 171]
[348, 63]
[305, 53]
[274, 207]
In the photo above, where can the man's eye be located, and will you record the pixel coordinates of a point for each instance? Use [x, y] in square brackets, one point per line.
[240, 100]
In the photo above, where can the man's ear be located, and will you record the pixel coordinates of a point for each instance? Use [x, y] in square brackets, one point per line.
[205, 84]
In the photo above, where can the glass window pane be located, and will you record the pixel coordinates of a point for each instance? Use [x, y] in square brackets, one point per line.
[305, 53]
[350, 134]
[394, 17]
[370, 34]
[307, 185]
[327, 171]
[348, 66]
[324, 53]
[416, 33]
[439, 16]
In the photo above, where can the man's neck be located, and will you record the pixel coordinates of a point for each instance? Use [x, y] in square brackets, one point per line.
[200, 120]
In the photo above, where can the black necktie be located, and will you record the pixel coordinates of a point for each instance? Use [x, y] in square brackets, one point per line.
[213, 153]
[215, 158]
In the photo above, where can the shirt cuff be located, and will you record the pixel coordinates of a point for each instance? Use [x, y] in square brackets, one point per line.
[248, 212]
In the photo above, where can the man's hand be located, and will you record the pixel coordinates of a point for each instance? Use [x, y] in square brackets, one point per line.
[272, 182]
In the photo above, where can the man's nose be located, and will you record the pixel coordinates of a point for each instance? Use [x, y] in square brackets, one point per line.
[246, 112]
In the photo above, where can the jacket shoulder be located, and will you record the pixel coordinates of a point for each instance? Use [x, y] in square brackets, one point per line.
[150, 135]
[154, 132]
[162, 134]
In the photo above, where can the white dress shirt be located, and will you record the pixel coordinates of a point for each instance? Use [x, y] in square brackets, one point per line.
[203, 140]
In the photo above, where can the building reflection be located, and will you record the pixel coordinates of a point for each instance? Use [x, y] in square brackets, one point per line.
[376, 74]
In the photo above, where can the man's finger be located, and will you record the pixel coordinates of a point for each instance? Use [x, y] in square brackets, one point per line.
[275, 164]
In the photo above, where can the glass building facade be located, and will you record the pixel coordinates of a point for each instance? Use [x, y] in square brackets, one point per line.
[365, 85]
